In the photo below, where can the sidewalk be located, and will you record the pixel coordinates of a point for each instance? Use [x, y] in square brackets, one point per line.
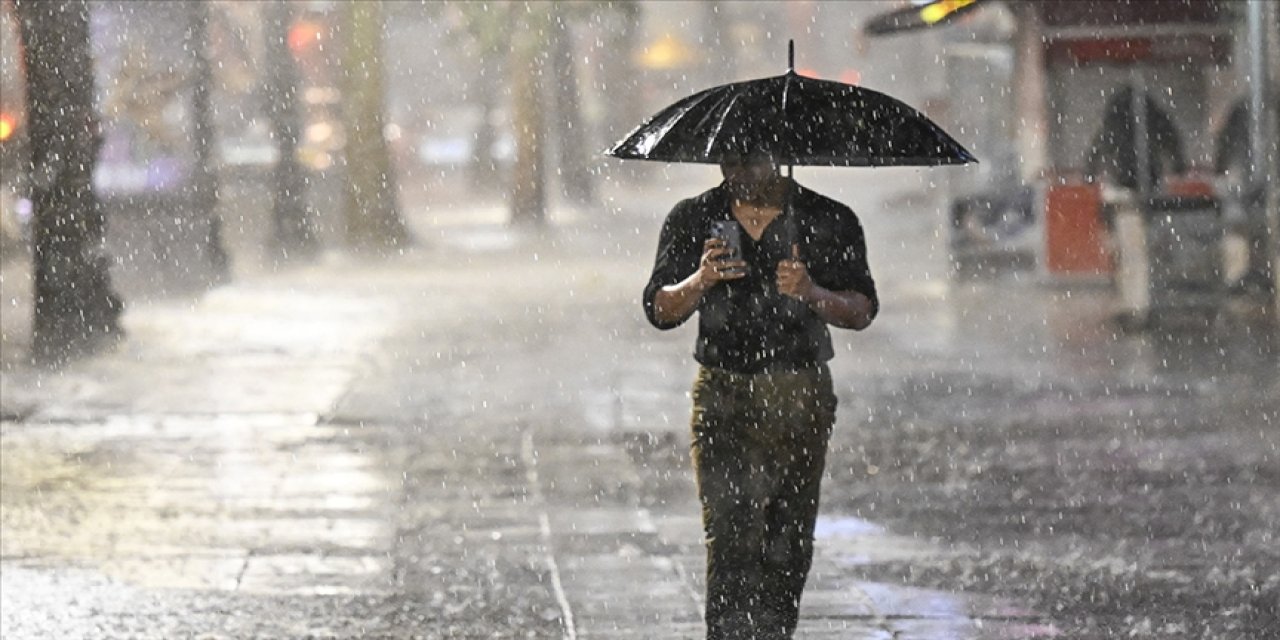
[484, 439]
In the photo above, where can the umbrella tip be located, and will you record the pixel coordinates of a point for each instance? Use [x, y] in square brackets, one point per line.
[791, 55]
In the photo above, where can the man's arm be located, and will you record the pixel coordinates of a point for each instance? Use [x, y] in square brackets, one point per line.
[844, 309]
[674, 303]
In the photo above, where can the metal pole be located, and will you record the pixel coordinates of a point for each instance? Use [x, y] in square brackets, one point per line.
[1260, 192]
[1031, 93]
[1257, 94]
[1262, 118]
[1272, 18]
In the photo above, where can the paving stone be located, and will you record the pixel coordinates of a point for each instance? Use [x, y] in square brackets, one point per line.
[180, 569]
[820, 628]
[618, 592]
[912, 602]
[315, 574]
[827, 603]
[664, 630]
[971, 629]
[602, 520]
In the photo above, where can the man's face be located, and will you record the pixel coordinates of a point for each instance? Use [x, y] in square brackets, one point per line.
[749, 177]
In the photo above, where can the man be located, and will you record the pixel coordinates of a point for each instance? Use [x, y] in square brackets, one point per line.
[763, 404]
[1243, 198]
[1113, 152]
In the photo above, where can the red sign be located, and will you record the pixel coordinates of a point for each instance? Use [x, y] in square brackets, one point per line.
[1184, 48]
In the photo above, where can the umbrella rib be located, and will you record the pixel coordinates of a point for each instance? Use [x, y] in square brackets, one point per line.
[786, 90]
[835, 125]
[715, 134]
[672, 119]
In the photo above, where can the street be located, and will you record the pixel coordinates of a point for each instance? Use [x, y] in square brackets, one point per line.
[484, 438]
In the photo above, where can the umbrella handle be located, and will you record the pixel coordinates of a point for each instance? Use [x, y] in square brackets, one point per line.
[793, 236]
[793, 307]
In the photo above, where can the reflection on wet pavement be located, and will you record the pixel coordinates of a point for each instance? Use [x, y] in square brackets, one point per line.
[224, 505]
[187, 464]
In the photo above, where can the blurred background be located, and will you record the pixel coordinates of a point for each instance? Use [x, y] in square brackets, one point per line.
[509, 106]
[295, 295]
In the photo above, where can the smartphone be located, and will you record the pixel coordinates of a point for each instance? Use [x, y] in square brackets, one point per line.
[731, 233]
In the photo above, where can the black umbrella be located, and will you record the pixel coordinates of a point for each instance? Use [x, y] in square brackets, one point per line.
[797, 121]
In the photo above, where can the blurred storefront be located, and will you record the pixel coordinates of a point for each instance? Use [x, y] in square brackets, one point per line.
[1061, 142]
[15, 210]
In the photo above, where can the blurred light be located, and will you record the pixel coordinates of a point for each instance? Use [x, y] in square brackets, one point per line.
[921, 15]
[938, 11]
[669, 52]
[850, 76]
[315, 159]
[8, 124]
[319, 132]
[391, 132]
[303, 35]
[321, 95]
[808, 73]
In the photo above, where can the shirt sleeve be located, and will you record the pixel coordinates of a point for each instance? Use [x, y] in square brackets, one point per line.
[853, 272]
[677, 259]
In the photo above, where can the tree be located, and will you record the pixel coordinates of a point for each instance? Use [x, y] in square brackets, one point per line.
[576, 177]
[528, 193]
[371, 208]
[623, 108]
[204, 193]
[537, 39]
[293, 229]
[76, 309]
[482, 33]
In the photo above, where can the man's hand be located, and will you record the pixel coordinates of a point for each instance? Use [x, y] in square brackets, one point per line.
[844, 309]
[793, 277]
[713, 268]
[674, 303]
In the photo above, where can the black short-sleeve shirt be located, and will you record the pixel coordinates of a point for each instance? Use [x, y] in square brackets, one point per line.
[745, 325]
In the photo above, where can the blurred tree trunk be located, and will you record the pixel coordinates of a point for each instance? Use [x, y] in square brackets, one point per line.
[625, 104]
[1030, 89]
[483, 34]
[293, 230]
[575, 165]
[484, 171]
[622, 88]
[528, 200]
[76, 310]
[204, 195]
[371, 209]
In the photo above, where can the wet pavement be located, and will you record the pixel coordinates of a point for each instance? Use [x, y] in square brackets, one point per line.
[483, 438]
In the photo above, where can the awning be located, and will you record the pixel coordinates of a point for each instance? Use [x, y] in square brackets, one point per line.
[920, 15]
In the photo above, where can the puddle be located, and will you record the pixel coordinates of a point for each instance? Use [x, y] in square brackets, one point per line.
[829, 527]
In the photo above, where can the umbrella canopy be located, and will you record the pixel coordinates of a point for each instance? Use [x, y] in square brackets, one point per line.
[797, 121]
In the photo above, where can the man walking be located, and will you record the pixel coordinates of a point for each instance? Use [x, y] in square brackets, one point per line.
[763, 402]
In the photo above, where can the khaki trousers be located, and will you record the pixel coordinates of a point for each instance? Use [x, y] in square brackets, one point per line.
[759, 448]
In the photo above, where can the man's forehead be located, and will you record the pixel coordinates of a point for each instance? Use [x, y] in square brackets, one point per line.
[753, 157]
